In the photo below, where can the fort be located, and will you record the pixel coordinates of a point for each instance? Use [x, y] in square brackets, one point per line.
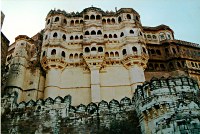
[88, 72]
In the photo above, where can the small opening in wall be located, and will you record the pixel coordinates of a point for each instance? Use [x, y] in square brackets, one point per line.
[122, 34]
[100, 49]
[99, 32]
[87, 33]
[104, 21]
[92, 17]
[55, 35]
[63, 54]
[98, 17]
[53, 52]
[65, 21]
[56, 19]
[119, 19]
[86, 17]
[128, 16]
[93, 33]
[115, 36]
[124, 51]
[93, 49]
[87, 50]
[131, 32]
[64, 37]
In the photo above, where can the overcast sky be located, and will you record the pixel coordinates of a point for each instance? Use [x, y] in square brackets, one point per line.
[27, 17]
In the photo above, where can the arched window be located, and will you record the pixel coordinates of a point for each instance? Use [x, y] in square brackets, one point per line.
[115, 36]
[99, 32]
[111, 54]
[71, 37]
[192, 64]
[128, 16]
[152, 51]
[131, 32]
[87, 33]
[44, 54]
[93, 49]
[92, 17]
[144, 50]
[46, 37]
[53, 52]
[100, 49]
[134, 49]
[183, 63]
[105, 36]
[124, 52]
[108, 21]
[56, 19]
[151, 66]
[93, 32]
[162, 67]
[81, 37]
[156, 67]
[64, 37]
[72, 22]
[71, 56]
[171, 66]
[98, 17]
[140, 33]
[48, 21]
[65, 21]
[76, 56]
[81, 55]
[110, 35]
[106, 54]
[63, 54]
[158, 52]
[116, 54]
[104, 21]
[149, 36]
[137, 18]
[76, 37]
[178, 64]
[122, 34]
[113, 21]
[119, 19]
[166, 51]
[55, 35]
[77, 22]
[174, 51]
[154, 37]
[81, 21]
[87, 50]
[86, 17]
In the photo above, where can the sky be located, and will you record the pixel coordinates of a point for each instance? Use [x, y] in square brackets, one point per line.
[27, 17]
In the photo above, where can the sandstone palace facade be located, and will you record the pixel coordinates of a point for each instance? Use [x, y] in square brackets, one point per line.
[95, 57]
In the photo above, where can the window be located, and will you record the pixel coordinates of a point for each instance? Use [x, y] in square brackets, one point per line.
[113, 21]
[63, 54]
[81, 21]
[44, 54]
[64, 37]
[128, 16]
[100, 49]
[65, 21]
[86, 17]
[98, 17]
[93, 49]
[119, 19]
[178, 64]
[124, 51]
[93, 33]
[171, 66]
[104, 21]
[105, 36]
[87, 50]
[106, 54]
[71, 56]
[152, 51]
[116, 54]
[110, 35]
[151, 66]
[55, 35]
[168, 36]
[137, 18]
[76, 56]
[149, 36]
[53, 52]
[87, 33]
[92, 17]
[144, 50]
[174, 51]
[131, 32]
[72, 22]
[76, 37]
[81, 55]
[134, 49]
[162, 67]
[81, 37]
[166, 51]
[156, 67]
[71, 37]
[154, 37]
[108, 21]
[48, 21]
[56, 19]
[111, 54]
[192, 64]
[115, 36]
[122, 34]
[99, 32]
[158, 52]
[77, 22]
[46, 37]
[162, 37]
